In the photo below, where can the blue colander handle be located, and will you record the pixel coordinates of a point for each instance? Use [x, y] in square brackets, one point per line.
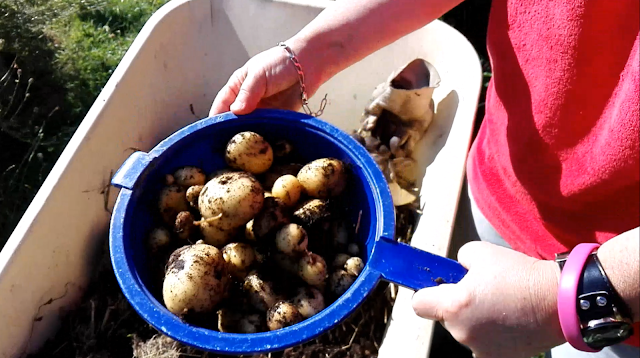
[413, 268]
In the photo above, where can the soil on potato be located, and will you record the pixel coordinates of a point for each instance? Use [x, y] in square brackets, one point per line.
[106, 326]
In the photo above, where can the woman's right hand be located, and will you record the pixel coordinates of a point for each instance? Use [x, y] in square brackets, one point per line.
[267, 80]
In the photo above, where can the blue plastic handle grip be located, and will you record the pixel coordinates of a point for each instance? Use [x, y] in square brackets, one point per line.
[413, 268]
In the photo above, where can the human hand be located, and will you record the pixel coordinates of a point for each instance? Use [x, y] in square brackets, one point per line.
[505, 306]
[267, 80]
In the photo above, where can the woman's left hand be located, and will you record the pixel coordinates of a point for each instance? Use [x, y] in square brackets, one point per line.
[504, 307]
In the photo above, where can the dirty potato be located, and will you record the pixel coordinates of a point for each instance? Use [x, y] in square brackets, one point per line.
[291, 239]
[312, 211]
[184, 225]
[354, 266]
[196, 279]
[193, 193]
[340, 281]
[172, 201]
[288, 189]
[312, 269]
[239, 257]
[309, 301]
[213, 234]
[234, 198]
[281, 315]
[260, 292]
[189, 176]
[250, 152]
[323, 178]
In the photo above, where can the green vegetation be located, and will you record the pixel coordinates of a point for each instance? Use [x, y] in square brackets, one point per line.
[55, 56]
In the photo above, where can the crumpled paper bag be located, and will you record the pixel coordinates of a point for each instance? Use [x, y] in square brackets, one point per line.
[397, 117]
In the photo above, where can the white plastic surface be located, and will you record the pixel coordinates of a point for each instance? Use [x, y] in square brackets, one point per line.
[181, 58]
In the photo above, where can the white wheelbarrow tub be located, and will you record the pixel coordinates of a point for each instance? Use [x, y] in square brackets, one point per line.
[168, 78]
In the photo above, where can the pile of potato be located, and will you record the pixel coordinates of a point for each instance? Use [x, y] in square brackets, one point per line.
[257, 246]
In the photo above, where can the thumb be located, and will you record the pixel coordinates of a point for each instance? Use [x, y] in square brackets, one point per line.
[434, 302]
[249, 95]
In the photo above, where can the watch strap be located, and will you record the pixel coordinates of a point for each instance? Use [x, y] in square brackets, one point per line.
[570, 278]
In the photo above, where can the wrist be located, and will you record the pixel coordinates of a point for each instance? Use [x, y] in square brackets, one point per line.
[317, 60]
[544, 278]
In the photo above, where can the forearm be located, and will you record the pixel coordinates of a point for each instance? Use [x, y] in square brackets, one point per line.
[352, 29]
[619, 257]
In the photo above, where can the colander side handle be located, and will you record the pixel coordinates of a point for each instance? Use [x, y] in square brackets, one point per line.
[128, 174]
[413, 268]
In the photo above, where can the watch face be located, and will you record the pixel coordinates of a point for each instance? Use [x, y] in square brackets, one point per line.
[606, 334]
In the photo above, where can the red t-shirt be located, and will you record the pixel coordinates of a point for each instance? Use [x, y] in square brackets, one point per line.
[556, 160]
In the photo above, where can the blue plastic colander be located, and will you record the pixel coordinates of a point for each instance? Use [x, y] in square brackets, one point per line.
[202, 144]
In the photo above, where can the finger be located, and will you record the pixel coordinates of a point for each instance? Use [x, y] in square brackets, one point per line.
[250, 93]
[228, 93]
[433, 302]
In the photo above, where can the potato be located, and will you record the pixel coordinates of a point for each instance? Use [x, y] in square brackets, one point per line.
[193, 193]
[184, 225]
[312, 211]
[250, 152]
[340, 281]
[291, 239]
[309, 301]
[235, 197]
[312, 269]
[277, 171]
[248, 231]
[196, 279]
[281, 315]
[189, 176]
[172, 201]
[213, 234]
[340, 235]
[239, 258]
[252, 323]
[288, 189]
[159, 239]
[354, 266]
[271, 218]
[323, 178]
[260, 292]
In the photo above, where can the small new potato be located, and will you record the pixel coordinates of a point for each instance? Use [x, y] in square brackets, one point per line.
[312, 211]
[213, 234]
[286, 262]
[193, 193]
[340, 281]
[261, 294]
[288, 189]
[158, 239]
[239, 257]
[309, 301]
[281, 315]
[353, 249]
[172, 201]
[354, 266]
[184, 225]
[189, 176]
[250, 152]
[196, 279]
[236, 197]
[278, 171]
[292, 239]
[248, 231]
[312, 269]
[323, 178]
